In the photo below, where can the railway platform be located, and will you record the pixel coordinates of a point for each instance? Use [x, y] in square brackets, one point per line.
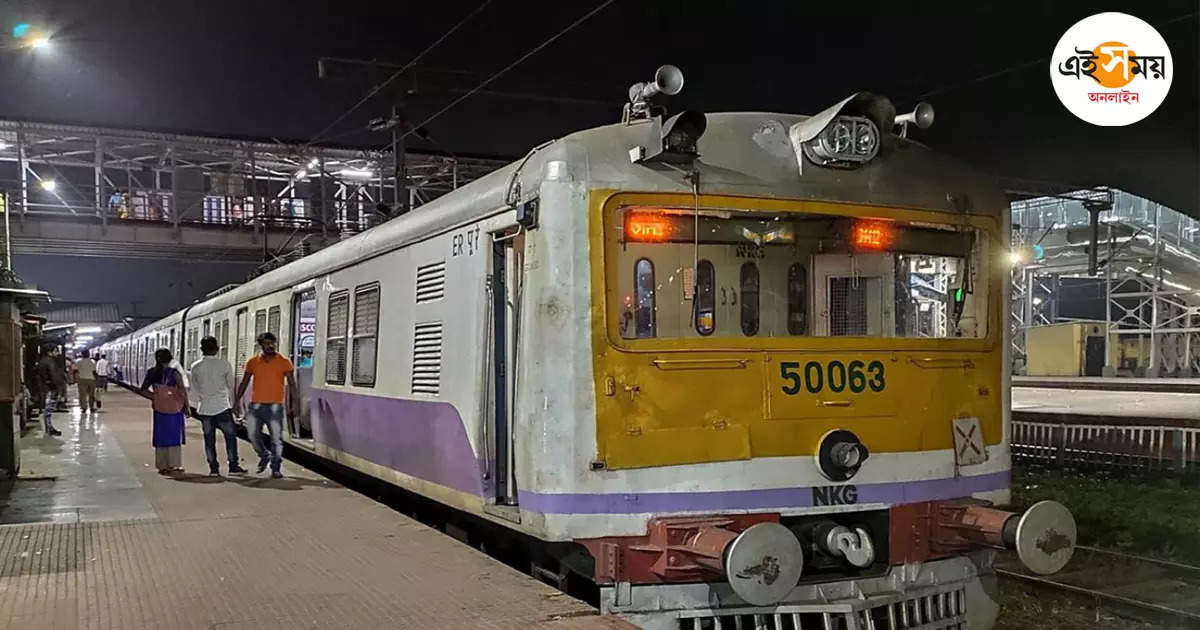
[1106, 406]
[91, 536]
[1111, 383]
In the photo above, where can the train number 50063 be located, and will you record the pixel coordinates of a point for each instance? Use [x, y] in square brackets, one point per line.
[834, 376]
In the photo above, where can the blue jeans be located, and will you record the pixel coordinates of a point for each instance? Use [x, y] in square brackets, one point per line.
[272, 416]
[48, 409]
[210, 424]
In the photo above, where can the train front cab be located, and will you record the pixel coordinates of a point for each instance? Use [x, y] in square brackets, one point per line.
[827, 382]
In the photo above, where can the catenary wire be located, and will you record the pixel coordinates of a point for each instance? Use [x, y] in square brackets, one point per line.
[395, 75]
[497, 75]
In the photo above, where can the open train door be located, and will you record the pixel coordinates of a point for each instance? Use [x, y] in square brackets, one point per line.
[304, 335]
[504, 284]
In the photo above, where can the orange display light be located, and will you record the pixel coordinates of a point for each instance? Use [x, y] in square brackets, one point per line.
[871, 236]
[647, 228]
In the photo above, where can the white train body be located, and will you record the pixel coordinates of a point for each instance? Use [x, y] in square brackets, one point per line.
[414, 399]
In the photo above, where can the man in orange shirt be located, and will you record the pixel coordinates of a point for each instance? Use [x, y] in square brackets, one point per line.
[270, 371]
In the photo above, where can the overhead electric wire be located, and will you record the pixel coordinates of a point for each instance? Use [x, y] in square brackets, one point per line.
[378, 88]
[497, 75]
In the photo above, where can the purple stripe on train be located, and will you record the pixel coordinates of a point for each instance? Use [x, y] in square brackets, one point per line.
[635, 503]
[427, 440]
[422, 438]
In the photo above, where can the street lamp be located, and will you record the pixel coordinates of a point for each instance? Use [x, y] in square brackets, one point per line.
[39, 42]
[49, 185]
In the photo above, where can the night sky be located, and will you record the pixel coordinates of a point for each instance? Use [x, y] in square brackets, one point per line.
[249, 69]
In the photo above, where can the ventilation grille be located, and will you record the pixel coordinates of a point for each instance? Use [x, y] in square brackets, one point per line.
[848, 306]
[427, 358]
[431, 282]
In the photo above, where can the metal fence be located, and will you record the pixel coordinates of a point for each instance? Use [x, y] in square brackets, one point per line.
[1106, 446]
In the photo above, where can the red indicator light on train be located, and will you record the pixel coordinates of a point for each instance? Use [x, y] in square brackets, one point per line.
[647, 227]
[871, 235]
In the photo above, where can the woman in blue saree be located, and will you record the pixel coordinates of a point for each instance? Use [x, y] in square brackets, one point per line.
[163, 385]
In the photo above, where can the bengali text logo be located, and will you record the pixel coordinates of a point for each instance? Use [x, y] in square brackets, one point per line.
[1111, 69]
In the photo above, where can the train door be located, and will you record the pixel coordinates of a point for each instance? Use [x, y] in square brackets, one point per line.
[304, 337]
[507, 264]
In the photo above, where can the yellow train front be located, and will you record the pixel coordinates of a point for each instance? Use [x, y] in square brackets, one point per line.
[799, 359]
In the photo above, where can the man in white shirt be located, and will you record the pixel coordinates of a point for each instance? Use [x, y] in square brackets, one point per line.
[212, 387]
[85, 381]
[102, 373]
[101, 378]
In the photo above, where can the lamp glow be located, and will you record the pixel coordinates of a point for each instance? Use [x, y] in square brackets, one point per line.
[357, 173]
[48, 185]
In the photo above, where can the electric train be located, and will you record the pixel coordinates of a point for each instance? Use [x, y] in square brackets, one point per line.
[734, 367]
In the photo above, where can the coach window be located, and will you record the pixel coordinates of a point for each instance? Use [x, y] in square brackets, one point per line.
[366, 335]
[224, 339]
[335, 338]
[749, 299]
[706, 298]
[273, 317]
[797, 300]
[260, 323]
[644, 282]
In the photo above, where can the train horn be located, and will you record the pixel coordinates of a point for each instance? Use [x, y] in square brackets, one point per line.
[645, 98]
[921, 116]
[668, 81]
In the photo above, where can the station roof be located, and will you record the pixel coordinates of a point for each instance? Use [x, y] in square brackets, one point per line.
[80, 312]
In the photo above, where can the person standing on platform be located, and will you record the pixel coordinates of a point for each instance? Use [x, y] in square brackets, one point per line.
[271, 371]
[163, 385]
[85, 382]
[53, 380]
[102, 374]
[212, 388]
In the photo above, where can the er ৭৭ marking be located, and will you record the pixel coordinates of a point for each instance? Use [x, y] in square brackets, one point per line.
[465, 243]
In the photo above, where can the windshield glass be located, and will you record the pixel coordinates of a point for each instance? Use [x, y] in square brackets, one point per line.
[729, 273]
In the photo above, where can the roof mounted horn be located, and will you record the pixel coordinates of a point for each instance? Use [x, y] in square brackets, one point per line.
[921, 116]
[647, 98]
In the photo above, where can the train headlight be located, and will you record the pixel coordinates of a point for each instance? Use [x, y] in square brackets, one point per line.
[846, 141]
[840, 455]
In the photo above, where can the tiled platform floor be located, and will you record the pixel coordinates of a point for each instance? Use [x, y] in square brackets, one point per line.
[97, 539]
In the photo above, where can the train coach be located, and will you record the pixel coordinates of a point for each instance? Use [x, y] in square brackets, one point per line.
[736, 367]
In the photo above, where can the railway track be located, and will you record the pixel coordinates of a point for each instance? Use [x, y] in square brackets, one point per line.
[1159, 591]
